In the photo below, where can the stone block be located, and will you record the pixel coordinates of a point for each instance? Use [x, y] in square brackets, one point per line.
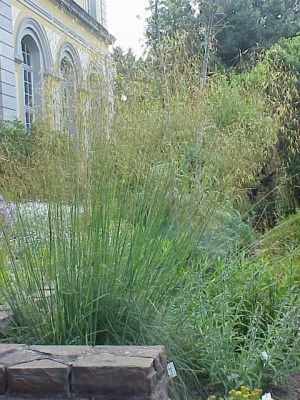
[7, 64]
[4, 320]
[5, 10]
[20, 356]
[64, 354]
[130, 351]
[7, 50]
[9, 91]
[68, 351]
[7, 115]
[43, 378]
[6, 23]
[8, 2]
[9, 103]
[2, 379]
[114, 377]
[156, 353]
[9, 348]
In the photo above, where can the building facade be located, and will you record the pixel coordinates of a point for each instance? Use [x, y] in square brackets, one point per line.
[53, 55]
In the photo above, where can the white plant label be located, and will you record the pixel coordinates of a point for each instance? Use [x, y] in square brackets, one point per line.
[266, 396]
[171, 370]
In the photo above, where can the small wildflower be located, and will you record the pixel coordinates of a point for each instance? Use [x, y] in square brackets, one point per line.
[9, 222]
[1, 197]
[4, 212]
[11, 207]
[245, 389]
[265, 355]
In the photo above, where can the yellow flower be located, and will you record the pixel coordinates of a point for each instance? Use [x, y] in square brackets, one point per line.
[245, 389]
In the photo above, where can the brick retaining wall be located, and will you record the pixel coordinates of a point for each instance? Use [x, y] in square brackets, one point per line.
[82, 372]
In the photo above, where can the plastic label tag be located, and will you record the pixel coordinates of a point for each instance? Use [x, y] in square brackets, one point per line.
[171, 370]
[266, 396]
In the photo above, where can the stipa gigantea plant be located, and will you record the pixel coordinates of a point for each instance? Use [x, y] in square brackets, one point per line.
[120, 260]
[113, 273]
[33, 162]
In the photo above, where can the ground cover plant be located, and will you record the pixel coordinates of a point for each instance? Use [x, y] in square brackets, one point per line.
[148, 235]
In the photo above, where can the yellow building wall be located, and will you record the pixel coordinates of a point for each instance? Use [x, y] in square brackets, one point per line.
[59, 26]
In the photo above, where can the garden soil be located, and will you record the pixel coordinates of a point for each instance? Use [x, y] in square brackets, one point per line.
[292, 391]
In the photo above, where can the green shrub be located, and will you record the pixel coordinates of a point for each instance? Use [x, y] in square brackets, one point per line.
[277, 74]
[246, 319]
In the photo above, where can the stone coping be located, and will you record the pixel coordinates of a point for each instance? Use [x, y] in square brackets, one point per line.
[82, 372]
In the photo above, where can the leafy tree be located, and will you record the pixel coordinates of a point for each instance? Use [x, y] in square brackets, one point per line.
[240, 32]
[125, 62]
[277, 19]
[127, 68]
[175, 18]
[254, 24]
[237, 25]
[276, 191]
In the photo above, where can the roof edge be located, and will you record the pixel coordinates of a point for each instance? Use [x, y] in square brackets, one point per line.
[90, 22]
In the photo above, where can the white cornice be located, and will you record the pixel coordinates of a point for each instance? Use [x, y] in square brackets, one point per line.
[58, 24]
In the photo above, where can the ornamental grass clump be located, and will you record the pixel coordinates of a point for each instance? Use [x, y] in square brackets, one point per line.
[139, 241]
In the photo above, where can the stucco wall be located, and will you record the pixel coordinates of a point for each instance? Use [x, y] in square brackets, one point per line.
[57, 24]
[8, 103]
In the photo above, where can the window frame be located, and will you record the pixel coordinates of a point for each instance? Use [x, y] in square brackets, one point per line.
[41, 62]
[28, 83]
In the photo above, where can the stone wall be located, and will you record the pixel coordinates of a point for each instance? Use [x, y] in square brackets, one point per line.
[82, 372]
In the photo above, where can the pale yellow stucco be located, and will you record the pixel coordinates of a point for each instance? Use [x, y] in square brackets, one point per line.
[59, 26]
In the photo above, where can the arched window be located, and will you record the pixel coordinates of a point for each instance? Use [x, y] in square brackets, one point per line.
[69, 96]
[32, 51]
[95, 102]
[95, 93]
[28, 82]
[31, 71]
[71, 78]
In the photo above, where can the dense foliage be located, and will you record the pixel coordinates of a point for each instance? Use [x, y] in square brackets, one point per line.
[239, 26]
[149, 235]
[32, 161]
[277, 74]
